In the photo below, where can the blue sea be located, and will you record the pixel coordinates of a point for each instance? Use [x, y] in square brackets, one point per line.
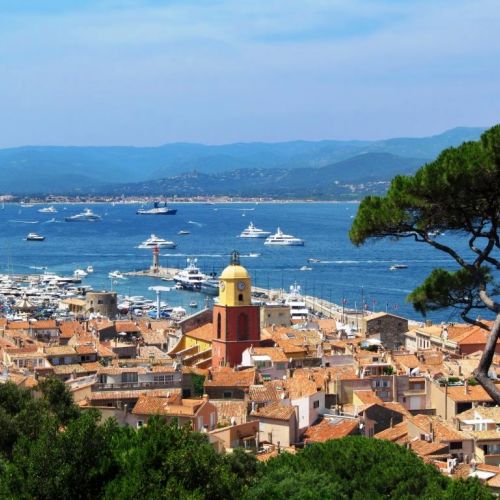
[361, 275]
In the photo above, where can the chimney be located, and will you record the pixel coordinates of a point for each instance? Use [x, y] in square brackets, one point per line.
[466, 387]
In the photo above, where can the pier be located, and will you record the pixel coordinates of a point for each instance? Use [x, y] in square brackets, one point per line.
[163, 273]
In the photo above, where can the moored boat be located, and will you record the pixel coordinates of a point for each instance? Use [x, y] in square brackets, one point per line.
[159, 208]
[34, 237]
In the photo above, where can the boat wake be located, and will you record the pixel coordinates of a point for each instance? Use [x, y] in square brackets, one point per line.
[24, 221]
[218, 255]
[199, 224]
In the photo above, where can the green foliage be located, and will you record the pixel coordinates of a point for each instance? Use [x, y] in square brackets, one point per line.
[59, 399]
[388, 370]
[355, 468]
[87, 459]
[198, 381]
[161, 460]
[458, 192]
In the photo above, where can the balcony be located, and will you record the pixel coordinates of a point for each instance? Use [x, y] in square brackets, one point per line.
[128, 386]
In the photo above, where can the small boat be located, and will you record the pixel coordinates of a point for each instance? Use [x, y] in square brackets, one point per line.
[306, 268]
[90, 269]
[254, 254]
[254, 232]
[48, 210]
[313, 261]
[156, 241]
[183, 232]
[116, 275]
[282, 239]
[193, 304]
[26, 205]
[159, 208]
[395, 267]
[79, 273]
[34, 237]
[86, 215]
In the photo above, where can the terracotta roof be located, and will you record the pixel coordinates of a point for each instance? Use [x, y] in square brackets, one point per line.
[300, 387]
[406, 360]
[60, 350]
[367, 397]
[396, 433]
[132, 394]
[443, 431]
[486, 412]
[70, 328]
[263, 393]
[18, 325]
[204, 332]
[330, 430]
[226, 409]
[151, 405]
[398, 407]
[276, 354]
[85, 349]
[227, 377]
[44, 324]
[275, 411]
[382, 314]
[126, 326]
[471, 393]
[424, 448]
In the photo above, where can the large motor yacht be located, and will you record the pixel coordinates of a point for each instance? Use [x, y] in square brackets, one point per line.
[297, 304]
[159, 208]
[254, 232]
[280, 238]
[191, 277]
[86, 215]
[156, 241]
[48, 210]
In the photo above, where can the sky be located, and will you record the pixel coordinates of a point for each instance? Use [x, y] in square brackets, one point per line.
[150, 72]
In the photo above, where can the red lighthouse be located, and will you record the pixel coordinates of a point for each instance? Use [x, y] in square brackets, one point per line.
[236, 321]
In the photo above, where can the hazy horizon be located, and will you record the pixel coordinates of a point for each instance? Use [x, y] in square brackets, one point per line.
[148, 73]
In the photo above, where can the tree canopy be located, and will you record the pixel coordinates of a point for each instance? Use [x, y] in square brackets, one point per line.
[459, 193]
[85, 458]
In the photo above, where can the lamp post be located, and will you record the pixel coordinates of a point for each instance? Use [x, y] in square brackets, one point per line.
[158, 290]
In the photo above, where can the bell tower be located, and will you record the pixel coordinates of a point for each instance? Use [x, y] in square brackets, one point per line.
[236, 321]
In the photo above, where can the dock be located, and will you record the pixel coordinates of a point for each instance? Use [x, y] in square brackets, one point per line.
[163, 273]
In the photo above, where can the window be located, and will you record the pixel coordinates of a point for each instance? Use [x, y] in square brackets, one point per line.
[316, 404]
[140, 423]
[163, 378]
[100, 301]
[227, 394]
[130, 377]
[240, 297]
[243, 326]
[456, 445]
[219, 325]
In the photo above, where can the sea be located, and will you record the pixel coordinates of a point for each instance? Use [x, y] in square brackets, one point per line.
[358, 277]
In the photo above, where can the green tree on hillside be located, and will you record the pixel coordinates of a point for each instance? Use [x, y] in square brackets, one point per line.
[357, 468]
[458, 193]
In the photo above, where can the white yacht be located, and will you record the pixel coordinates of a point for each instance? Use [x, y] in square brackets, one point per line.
[159, 208]
[48, 210]
[86, 215]
[34, 237]
[395, 267]
[156, 241]
[297, 304]
[79, 273]
[90, 269]
[254, 232]
[280, 238]
[116, 275]
[191, 277]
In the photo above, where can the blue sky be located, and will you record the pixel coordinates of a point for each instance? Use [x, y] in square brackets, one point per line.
[138, 72]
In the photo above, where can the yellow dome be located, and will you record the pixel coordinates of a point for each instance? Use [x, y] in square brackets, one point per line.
[234, 272]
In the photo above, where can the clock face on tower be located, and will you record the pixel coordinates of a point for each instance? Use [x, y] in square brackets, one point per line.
[241, 285]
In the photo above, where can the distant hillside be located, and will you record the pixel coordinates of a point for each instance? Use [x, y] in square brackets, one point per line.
[52, 169]
[367, 173]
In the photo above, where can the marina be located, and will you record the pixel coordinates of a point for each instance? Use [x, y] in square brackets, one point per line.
[328, 267]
